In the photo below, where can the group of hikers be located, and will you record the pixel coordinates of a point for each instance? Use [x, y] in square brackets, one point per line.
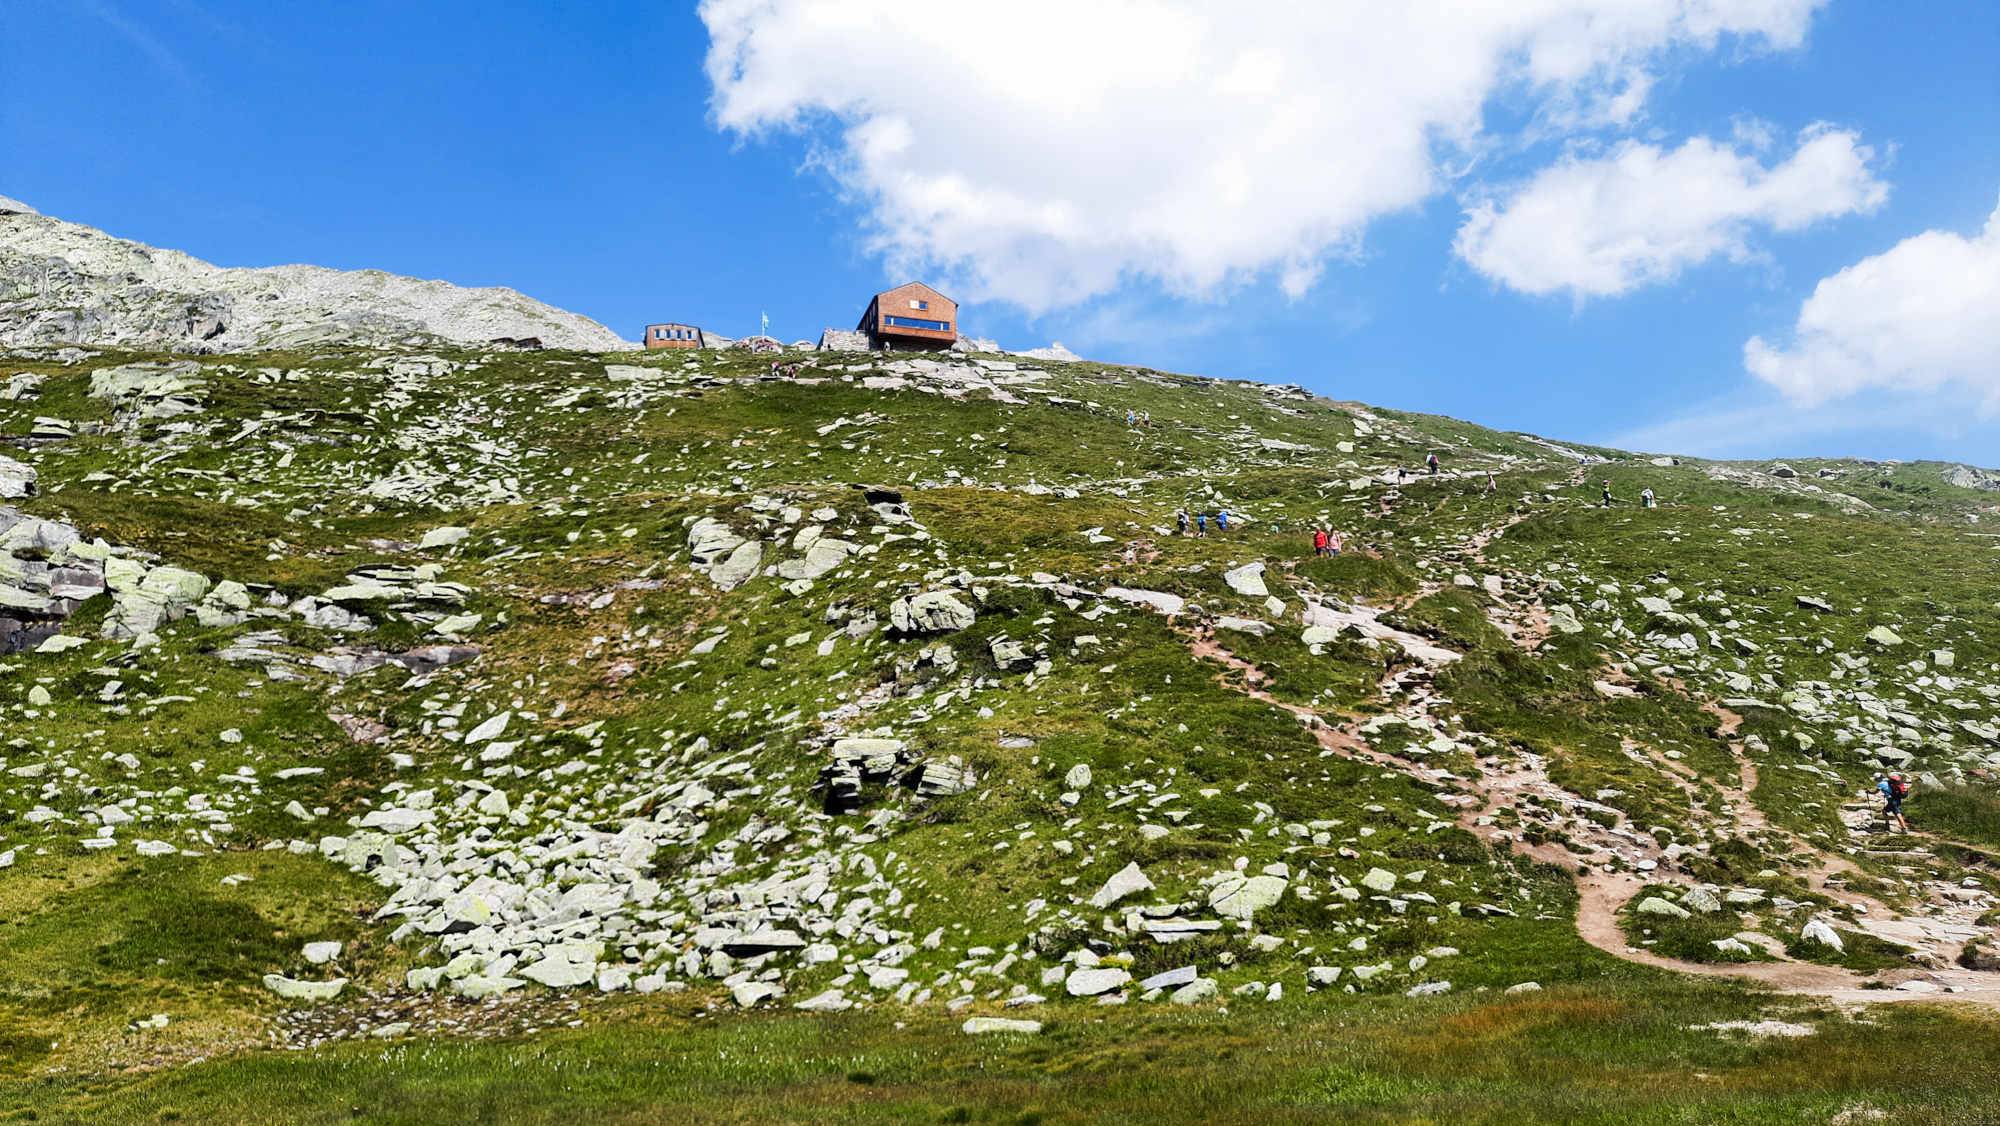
[1646, 497]
[1326, 541]
[1138, 418]
[1200, 520]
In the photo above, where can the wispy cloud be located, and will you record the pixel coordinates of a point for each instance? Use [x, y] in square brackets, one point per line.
[163, 57]
[1755, 422]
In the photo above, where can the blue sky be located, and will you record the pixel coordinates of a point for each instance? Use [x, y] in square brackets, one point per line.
[1084, 173]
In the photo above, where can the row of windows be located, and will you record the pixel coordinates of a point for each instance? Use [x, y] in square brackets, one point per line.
[663, 332]
[913, 322]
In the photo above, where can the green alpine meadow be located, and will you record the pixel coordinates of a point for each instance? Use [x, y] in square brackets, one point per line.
[427, 732]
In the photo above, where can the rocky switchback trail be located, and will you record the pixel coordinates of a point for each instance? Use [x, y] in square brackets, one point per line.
[1598, 848]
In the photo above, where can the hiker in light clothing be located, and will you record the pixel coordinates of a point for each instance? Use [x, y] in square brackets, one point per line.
[1646, 498]
[1333, 543]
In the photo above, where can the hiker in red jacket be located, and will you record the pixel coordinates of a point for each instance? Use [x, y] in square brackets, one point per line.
[1319, 541]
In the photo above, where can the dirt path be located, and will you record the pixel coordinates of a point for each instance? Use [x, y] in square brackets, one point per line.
[1332, 738]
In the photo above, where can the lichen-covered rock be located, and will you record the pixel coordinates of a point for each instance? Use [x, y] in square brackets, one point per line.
[1241, 898]
[292, 989]
[935, 611]
[16, 479]
[1654, 905]
[1094, 980]
[1128, 880]
[1247, 579]
[977, 1025]
[743, 563]
[1200, 989]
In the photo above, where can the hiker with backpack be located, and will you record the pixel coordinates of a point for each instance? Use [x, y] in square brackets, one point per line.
[1893, 788]
[1181, 520]
[1431, 460]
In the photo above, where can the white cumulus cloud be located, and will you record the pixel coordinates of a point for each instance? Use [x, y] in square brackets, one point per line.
[1604, 226]
[1922, 315]
[1047, 150]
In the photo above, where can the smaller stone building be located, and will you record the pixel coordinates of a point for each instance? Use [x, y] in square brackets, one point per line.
[673, 336]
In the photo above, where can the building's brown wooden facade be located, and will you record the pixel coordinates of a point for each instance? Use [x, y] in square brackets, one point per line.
[913, 317]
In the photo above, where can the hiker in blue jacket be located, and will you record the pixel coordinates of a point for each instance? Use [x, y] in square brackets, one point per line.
[1893, 788]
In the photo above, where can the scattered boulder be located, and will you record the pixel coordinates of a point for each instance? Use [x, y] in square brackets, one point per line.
[1158, 599]
[833, 1001]
[1126, 881]
[1247, 580]
[1818, 930]
[570, 964]
[1198, 990]
[1702, 900]
[935, 611]
[159, 389]
[710, 540]
[16, 479]
[1173, 978]
[975, 1026]
[743, 562]
[1095, 980]
[1246, 625]
[1008, 654]
[293, 990]
[1240, 898]
[1379, 879]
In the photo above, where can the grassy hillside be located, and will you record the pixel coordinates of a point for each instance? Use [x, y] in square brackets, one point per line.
[535, 681]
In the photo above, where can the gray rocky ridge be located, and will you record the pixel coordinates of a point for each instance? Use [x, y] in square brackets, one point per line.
[65, 283]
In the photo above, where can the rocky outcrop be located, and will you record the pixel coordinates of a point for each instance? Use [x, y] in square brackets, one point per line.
[68, 284]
